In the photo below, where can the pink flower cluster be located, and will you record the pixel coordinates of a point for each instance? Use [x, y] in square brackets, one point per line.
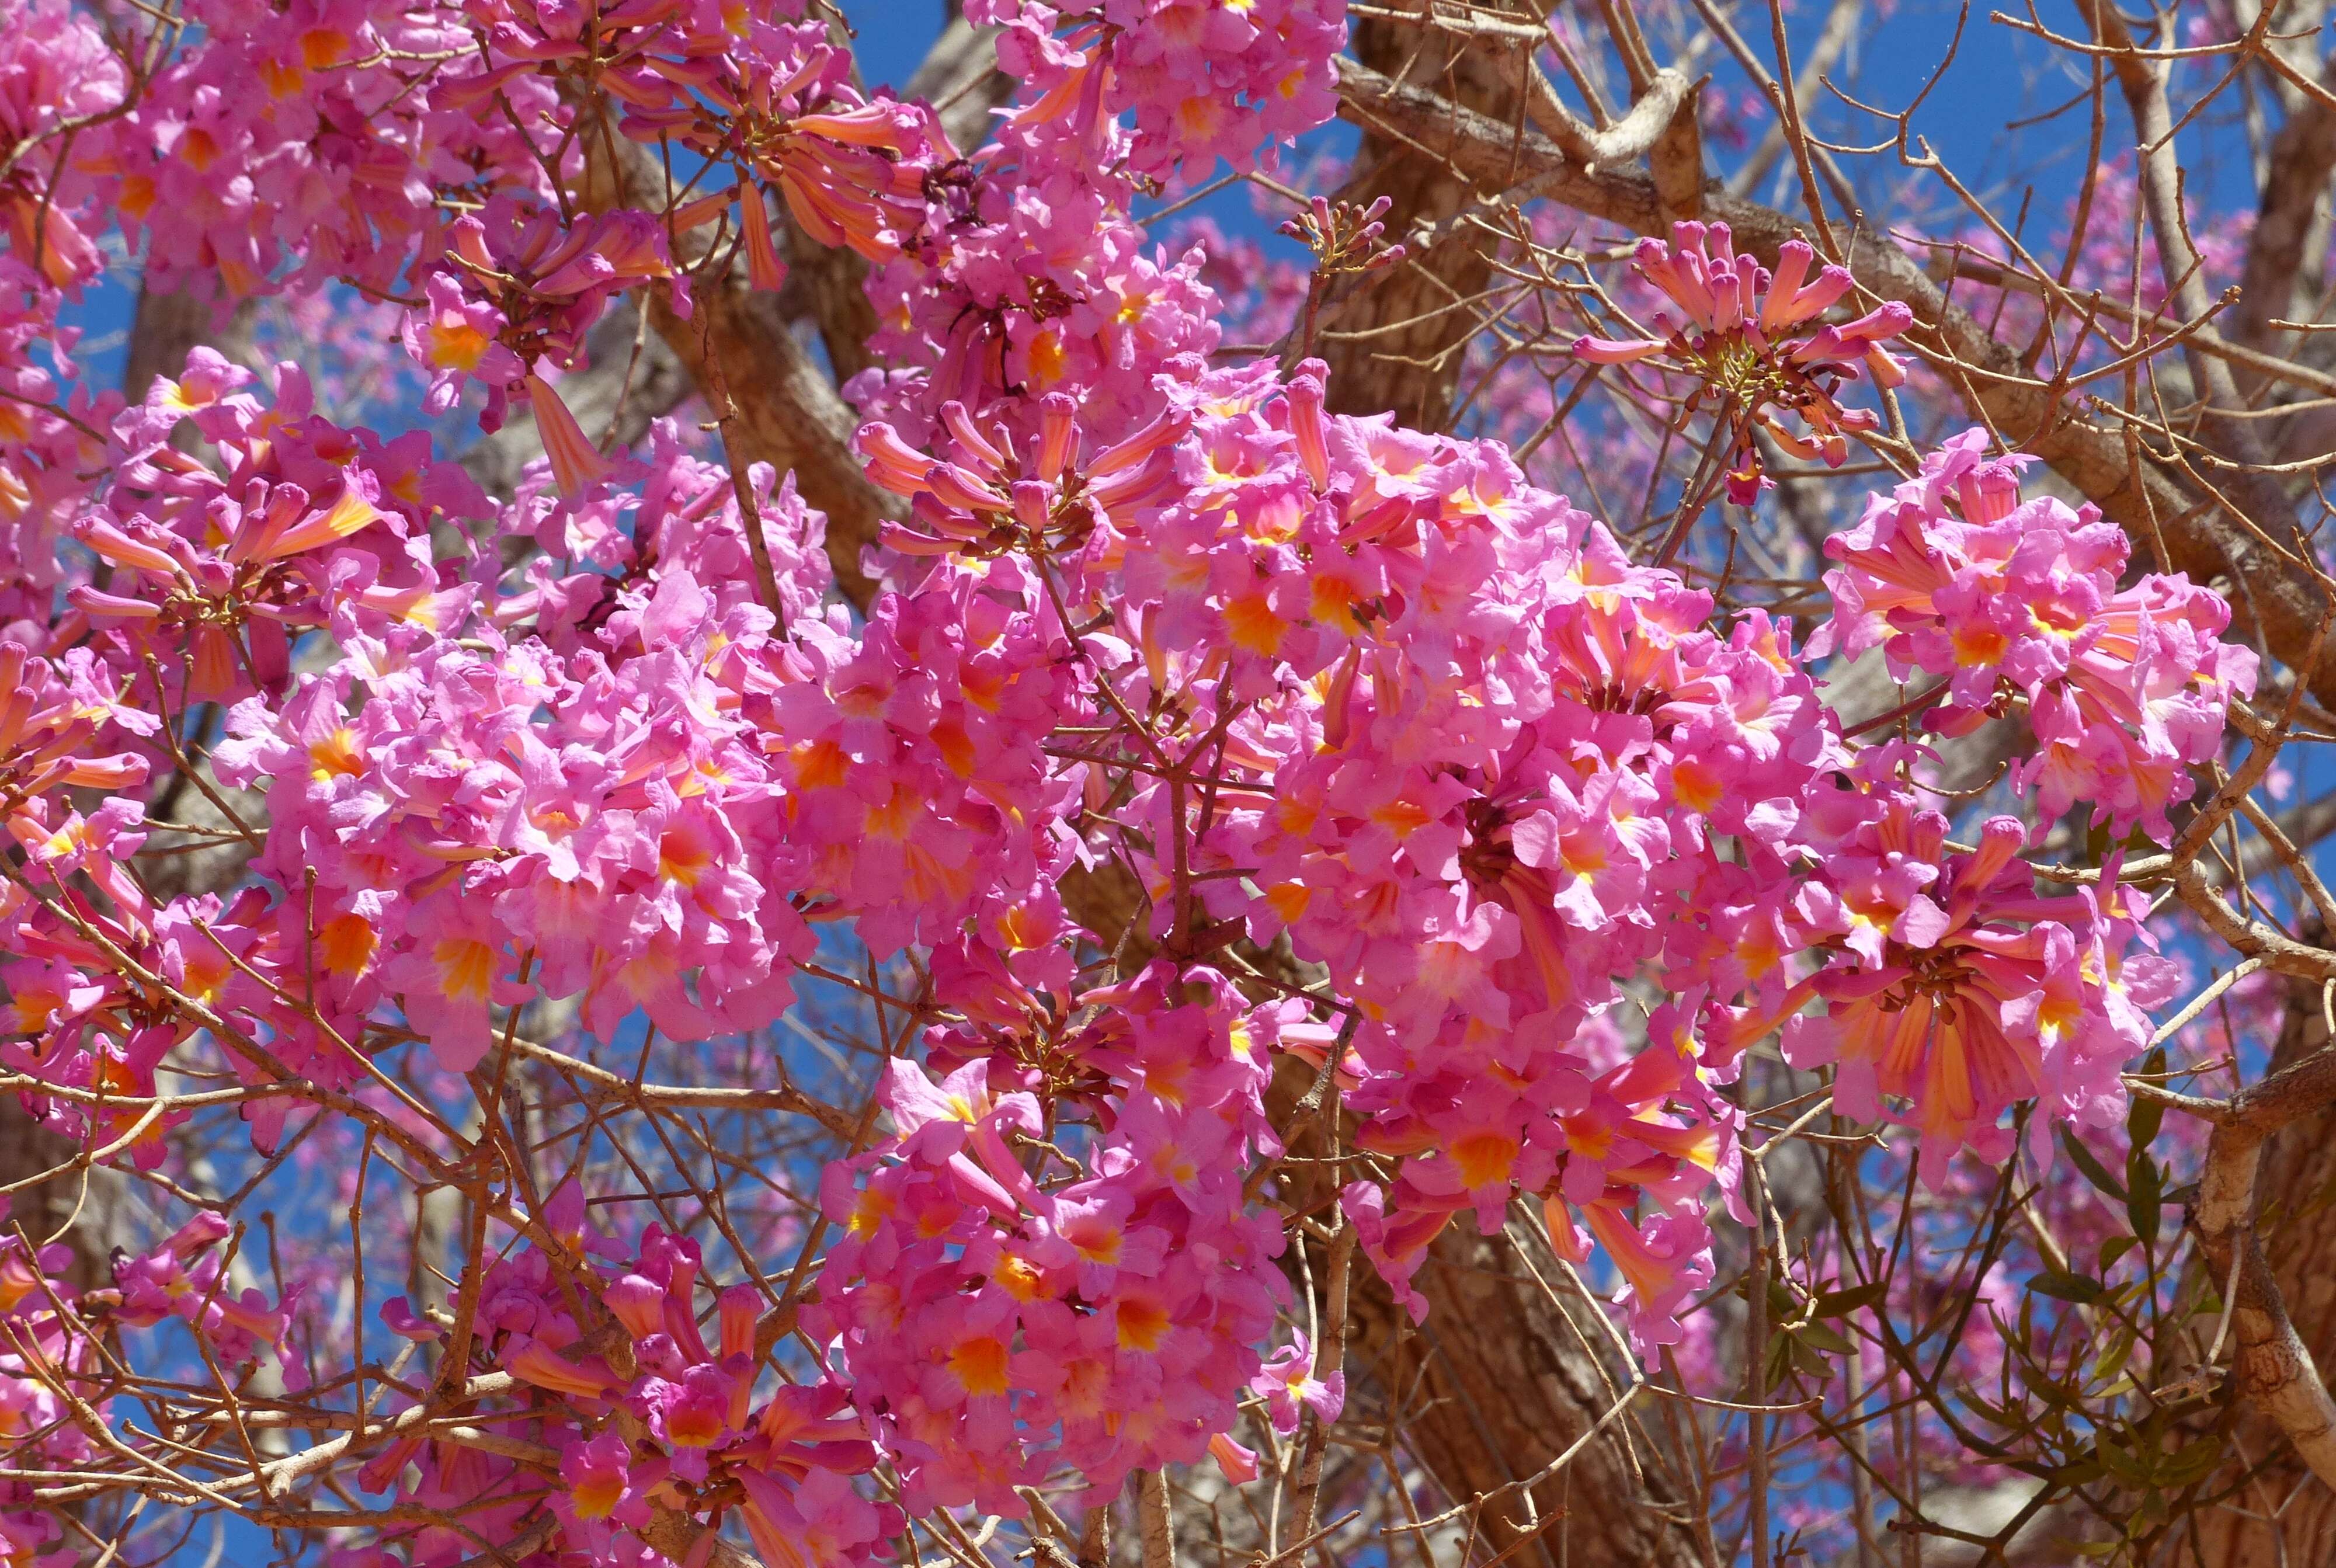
[916, 752]
[1036, 278]
[666, 510]
[214, 572]
[616, 1377]
[1334, 597]
[280, 148]
[185, 1278]
[1202, 81]
[289, 145]
[48, 446]
[485, 825]
[213, 569]
[2126, 687]
[778, 100]
[516, 287]
[1101, 1315]
[1953, 989]
[48, 1360]
[55, 71]
[57, 1358]
[1043, 284]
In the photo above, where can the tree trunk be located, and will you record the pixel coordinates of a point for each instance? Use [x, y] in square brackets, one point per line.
[1411, 330]
[2287, 1518]
[1492, 1387]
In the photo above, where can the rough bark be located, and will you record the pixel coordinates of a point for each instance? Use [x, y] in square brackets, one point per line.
[1402, 349]
[2289, 216]
[27, 1150]
[1492, 1387]
[2288, 1518]
[165, 326]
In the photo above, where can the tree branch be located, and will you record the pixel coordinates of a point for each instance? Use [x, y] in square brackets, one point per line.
[2272, 593]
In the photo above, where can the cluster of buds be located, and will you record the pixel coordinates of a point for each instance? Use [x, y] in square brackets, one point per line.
[1346, 240]
[1343, 237]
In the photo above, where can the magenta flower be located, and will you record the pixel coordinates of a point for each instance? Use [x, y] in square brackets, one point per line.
[1752, 338]
[2127, 688]
[1956, 991]
[182, 1279]
[599, 1494]
[1287, 1381]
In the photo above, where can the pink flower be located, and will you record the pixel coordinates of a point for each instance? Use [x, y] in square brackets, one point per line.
[1963, 999]
[455, 337]
[599, 1494]
[2126, 687]
[183, 1278]
[1287, 1381]
[1737, 328]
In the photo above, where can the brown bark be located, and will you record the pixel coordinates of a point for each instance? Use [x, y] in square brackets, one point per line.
[2290, 214]
[1402, 349]
[28, 1149]
[2288, 1516]
[164, 327]
[1491, 1389]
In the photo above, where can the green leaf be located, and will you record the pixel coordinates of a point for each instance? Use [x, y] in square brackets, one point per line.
[2116, 1247]
[2195, 1462]
[2087, 1161]
[2145, 1186]
[2126, 1468]
[2141, 1124]
[1823, 1339]
[2113, 1360]
[1780, 1357]
[1996, 1413]
[2063, 1286]
[1840, 1303]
